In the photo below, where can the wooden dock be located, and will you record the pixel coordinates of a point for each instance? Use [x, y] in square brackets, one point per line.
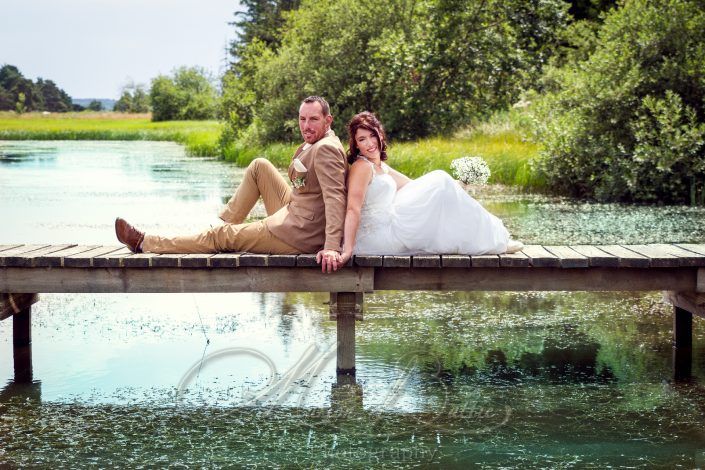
[676, 269]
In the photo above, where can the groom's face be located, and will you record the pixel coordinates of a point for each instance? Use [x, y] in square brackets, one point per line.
[312, 123]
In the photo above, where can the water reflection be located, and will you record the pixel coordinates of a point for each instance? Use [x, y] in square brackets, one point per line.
[494, 379]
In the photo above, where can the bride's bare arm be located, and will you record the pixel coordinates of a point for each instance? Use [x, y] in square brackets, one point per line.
[358, 181]
[399, 178]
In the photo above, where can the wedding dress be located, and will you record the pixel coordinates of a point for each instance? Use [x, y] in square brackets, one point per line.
[428, 215]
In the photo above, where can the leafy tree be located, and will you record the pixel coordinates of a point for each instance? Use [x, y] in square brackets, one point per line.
[260, 20]
[95, 105]
[124, 103]
[15, 83]
[626, 121]
[55, 99]
[187, 94]
[140, 100]
[134, 99]
[425, 67]
[39, 96]
[20, 106]
[6, 99]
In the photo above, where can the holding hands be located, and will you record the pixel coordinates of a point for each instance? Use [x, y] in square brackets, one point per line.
[330, 260]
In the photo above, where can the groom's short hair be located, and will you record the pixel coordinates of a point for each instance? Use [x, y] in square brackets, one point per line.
[317, 99]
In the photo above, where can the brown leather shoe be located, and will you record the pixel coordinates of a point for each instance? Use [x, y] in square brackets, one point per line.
[128, 235]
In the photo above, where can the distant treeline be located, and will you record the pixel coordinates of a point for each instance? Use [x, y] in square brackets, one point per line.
[21, 94]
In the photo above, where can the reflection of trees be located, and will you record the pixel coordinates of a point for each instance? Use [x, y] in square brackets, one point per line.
[557, 336]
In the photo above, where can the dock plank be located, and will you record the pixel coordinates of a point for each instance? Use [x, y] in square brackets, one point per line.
[426, 261]
[695, 248]
[85, 259]
[455, 261]
[539, 257]
[138, 260]
[28, 260]
[596, 257]
[667, 255]
[658, 258]
[484, 261]
[306, 261]
[568, 257]
[112, 259]
[194, 260]
[627, 258]
[513, 260]
[254, 260]
[11, 253]
[56, 258]
[167, 260]
[282, 260]
[224, 260]
[368, 261]
[8, 247]
[396, 261]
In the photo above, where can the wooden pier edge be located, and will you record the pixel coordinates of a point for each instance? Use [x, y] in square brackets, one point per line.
[677, 270]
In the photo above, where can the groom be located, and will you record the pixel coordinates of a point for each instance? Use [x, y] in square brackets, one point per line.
[307, 219]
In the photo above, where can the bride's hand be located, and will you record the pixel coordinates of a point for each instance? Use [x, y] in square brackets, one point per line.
[345, 257]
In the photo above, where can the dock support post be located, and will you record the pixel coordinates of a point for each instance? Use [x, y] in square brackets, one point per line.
[22, 327]
[682, 344]
[345, 308]
[19, 307]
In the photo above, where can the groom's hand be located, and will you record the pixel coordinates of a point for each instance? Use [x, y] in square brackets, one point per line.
[329, 260]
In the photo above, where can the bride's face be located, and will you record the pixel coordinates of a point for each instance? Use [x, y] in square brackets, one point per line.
[368, 143]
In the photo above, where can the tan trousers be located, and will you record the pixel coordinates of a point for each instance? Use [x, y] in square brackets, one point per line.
[261, 179]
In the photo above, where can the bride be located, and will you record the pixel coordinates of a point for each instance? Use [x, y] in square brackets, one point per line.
[389, 214]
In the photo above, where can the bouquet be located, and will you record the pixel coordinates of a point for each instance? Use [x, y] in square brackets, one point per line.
[470, 170]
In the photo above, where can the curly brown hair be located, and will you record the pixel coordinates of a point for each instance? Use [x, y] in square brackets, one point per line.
[365, 120]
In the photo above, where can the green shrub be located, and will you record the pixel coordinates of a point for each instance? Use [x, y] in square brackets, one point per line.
[187, 95]
[427, 68]
[626, 121]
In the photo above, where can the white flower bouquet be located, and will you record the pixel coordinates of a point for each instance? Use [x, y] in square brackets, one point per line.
[470, 170]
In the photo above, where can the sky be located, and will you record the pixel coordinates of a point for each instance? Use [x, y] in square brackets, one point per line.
[92, 48]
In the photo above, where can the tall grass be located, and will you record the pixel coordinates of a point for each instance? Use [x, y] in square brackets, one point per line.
[500, 140]
[199, 137]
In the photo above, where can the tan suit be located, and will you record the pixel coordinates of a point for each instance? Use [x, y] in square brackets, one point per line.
[315, 214]
[302, 220]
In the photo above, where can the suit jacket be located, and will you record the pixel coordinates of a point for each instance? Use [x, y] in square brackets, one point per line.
[314, 217]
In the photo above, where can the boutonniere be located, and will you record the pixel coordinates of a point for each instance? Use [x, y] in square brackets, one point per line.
[299, 181]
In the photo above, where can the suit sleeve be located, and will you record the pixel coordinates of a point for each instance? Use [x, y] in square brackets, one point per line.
[330, 171]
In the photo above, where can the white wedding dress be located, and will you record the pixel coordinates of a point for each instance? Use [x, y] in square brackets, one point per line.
[429, 215]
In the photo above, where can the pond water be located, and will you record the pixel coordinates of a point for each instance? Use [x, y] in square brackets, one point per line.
[448, 379]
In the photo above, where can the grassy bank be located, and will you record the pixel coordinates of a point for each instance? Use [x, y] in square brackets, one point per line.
[199, 137]
[499, 140]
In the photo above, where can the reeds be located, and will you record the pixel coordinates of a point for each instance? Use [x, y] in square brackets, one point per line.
[200, 138]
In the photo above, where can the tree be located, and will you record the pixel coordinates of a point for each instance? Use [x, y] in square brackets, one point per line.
[39, 96]
[15, 83]
[187, 94]
[55, 99]
[425, 67]
[626, 121]
[260, 20]
[95, 105]
[133, 99]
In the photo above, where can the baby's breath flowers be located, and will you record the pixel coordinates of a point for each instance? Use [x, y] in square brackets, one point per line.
[470, 170]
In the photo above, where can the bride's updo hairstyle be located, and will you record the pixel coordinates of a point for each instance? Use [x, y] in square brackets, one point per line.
[365, 120]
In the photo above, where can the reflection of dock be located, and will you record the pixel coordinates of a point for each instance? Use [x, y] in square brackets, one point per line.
[679, 270]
